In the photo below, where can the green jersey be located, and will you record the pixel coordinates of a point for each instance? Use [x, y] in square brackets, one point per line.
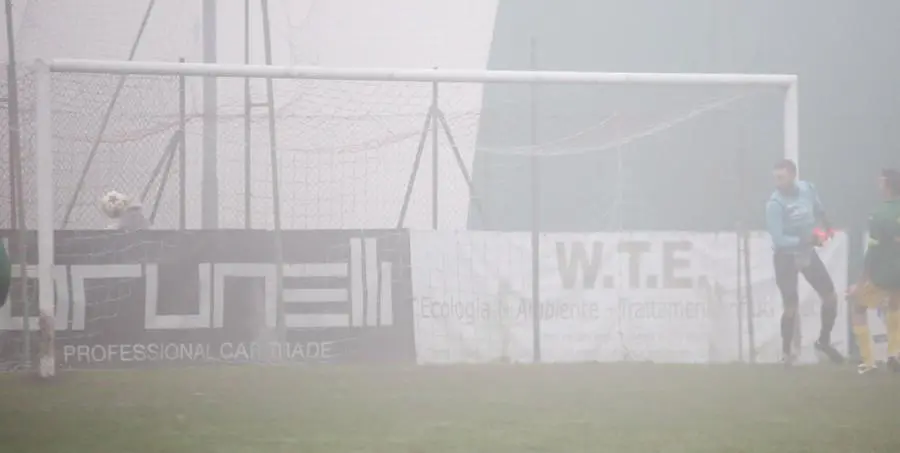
[883, 255]
[5, 274]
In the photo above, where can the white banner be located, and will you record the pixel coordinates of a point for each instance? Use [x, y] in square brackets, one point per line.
[662, 297]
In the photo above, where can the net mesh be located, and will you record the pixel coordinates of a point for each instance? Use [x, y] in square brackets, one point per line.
[345, 150]
[119, 153]
[610, 157]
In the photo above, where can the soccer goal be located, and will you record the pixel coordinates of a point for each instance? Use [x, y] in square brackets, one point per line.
[543, 208]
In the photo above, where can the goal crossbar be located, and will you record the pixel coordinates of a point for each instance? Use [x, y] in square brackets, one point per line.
[415, 75]
[44, 129]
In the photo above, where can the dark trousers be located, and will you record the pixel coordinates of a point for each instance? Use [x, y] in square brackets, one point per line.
[787, 277]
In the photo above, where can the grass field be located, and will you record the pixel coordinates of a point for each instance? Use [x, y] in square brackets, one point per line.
[493, 409]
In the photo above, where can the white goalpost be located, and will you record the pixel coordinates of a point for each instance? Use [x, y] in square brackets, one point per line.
[46, 142]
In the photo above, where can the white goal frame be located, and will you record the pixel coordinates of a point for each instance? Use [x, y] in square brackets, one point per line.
[44, 127]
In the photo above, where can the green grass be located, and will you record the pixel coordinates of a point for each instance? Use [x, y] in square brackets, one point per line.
[492, 409]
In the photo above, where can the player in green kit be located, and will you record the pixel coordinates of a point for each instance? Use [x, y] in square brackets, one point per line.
[5, 275]
[879, 285]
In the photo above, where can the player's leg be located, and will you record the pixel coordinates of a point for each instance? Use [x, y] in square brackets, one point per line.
[817, 275]
[892, 320]
[787, 280]
[863, 297]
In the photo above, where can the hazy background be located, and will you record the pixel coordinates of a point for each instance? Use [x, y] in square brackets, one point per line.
[844, 53]
[623, 157]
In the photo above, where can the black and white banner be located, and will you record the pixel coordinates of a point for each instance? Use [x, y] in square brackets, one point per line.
[191, 297]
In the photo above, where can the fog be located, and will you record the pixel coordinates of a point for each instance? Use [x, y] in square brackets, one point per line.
[462, 265]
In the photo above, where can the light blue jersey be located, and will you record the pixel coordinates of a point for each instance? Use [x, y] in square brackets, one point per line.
[791, 218]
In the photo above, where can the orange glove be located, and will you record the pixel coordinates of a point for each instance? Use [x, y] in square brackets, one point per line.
[821, 236]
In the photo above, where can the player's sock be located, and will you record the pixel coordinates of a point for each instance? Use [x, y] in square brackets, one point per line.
[829, 315]
[893, 330]
[787, 333]
[864, 342]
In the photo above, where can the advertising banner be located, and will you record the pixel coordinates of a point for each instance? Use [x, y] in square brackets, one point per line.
[189, 297]
[661, 297]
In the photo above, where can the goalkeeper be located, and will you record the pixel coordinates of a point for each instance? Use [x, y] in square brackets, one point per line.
[5, 275]
[880, 279]
[793, 214]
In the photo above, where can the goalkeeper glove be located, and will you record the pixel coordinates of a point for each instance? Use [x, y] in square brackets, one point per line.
[821, 236]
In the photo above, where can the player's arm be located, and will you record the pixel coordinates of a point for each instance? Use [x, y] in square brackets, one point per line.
[775, 226]
[867, 263]
[874, 242]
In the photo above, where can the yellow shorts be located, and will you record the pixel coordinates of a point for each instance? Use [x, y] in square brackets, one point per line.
[871, 296]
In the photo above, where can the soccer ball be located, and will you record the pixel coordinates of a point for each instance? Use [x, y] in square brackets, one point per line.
[113, 204]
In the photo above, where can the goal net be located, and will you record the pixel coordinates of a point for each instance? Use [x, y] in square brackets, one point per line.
[387, 214]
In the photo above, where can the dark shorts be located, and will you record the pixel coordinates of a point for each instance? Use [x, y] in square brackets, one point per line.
[787, 277]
